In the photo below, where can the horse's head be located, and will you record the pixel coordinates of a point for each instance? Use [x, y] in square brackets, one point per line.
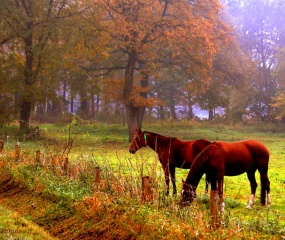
[139, 141]
[188, 194]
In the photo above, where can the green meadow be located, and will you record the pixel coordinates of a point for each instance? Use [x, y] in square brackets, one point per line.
[68, 203]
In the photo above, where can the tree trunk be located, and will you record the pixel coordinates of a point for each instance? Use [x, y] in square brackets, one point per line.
[172, 108]
[190, 108]
[128, 87]
[64, 94]
[25, 114]
[46, 106]
[161, 113]
[83, 104]
[132, 113]
[211, 114]
[29, 78]
[71, 105]
[97, 104]
[141, 109]
[93, 106]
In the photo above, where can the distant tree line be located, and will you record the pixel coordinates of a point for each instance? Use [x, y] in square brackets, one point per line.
[128, 59]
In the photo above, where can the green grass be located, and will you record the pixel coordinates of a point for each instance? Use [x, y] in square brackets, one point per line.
[12, 226]
[114, 208]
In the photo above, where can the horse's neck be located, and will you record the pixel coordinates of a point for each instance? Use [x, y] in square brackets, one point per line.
[198, 168]
[159, 143]
[194, 178]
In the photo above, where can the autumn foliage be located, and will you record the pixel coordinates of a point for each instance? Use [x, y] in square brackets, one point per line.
[150, 36]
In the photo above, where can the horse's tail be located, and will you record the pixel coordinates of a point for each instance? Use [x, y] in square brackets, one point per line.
[265, 188]
[262, 155]
[265, 184]
[262, 191]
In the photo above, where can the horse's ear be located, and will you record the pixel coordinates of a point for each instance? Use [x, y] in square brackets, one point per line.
[139, 130]
[183, 181]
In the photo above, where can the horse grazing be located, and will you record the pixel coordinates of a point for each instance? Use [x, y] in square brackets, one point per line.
[221, 159]
[172, 152]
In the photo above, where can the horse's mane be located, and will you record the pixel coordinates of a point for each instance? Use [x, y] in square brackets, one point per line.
[198, 166]
[159, 135]
[203, 156]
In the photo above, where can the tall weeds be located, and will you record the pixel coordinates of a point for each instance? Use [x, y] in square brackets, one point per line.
[114, 206]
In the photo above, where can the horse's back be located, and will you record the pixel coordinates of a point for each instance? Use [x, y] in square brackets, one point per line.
[257, 148]
[244, 148]
[240, 157]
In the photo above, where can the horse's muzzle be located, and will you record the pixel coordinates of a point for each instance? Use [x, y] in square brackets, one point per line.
[132, 151]
[187, 197]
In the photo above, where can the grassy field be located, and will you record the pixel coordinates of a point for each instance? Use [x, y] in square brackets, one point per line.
[12, 226]
[70, 204]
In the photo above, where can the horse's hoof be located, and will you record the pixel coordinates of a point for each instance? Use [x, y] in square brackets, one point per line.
[249, 206]
[269, 203]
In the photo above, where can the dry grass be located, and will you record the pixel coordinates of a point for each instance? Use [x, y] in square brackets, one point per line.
[68, 203]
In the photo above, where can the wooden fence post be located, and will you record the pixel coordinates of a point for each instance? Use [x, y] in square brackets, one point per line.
[38, 157]
[214, 212]
[17, 151]
[37, 132]
[1, 145]
[65, 166]
[97, 175]
[146, 189]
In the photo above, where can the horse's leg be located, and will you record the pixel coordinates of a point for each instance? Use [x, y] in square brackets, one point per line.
[268, 198]
[265, 189]
[253, 186]
[173, 179]
[221, 195]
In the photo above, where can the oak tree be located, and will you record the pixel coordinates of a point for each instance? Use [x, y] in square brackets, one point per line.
[147, 35]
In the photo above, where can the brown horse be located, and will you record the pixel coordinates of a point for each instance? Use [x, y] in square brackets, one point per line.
[172, 152]
[221, 159]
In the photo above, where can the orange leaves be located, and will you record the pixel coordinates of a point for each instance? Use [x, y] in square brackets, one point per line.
[172, 36]
[147, 27]
[137, 100]
[112, 89]
[131, 23]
